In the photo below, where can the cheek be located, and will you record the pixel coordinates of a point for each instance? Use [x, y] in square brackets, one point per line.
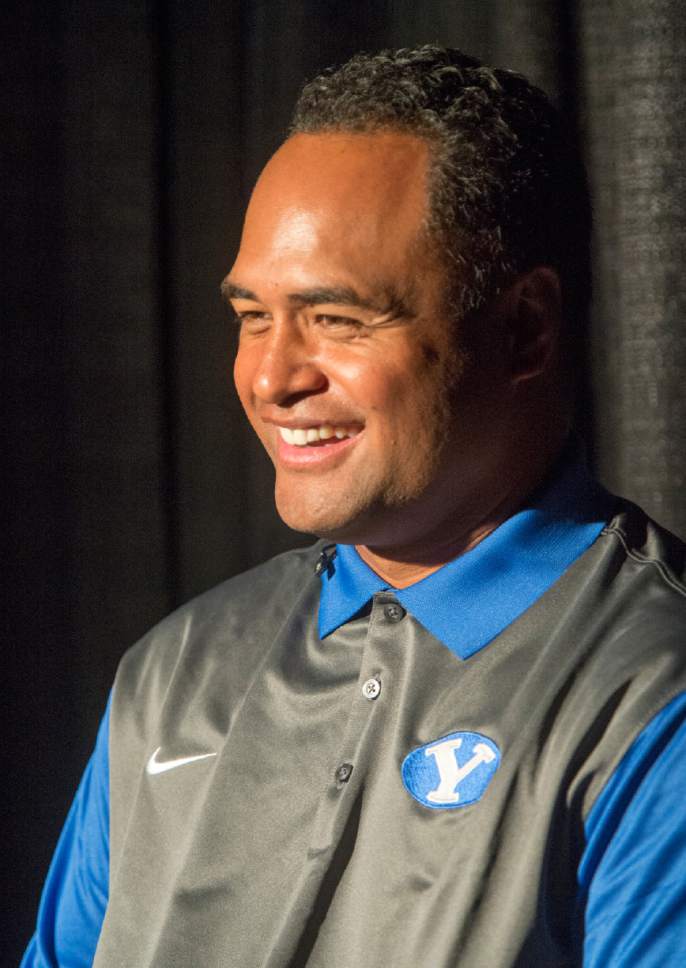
[434, 375]
[411, 410]
[431, 406]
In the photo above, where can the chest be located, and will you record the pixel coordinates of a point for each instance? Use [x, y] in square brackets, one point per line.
[363, 787]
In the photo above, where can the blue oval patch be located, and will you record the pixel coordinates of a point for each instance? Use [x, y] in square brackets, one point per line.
[451, 772]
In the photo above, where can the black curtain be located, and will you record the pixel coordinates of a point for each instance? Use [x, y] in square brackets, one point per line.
[132, 133]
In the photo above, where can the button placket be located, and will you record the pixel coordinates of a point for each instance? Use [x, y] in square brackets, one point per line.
[359, 747]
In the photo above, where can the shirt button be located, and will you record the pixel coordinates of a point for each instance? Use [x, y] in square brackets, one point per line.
[343, 772]
[393, 612]
[371, 688]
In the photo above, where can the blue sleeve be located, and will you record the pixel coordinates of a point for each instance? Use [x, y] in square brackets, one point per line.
[74, 898]
[633, 872]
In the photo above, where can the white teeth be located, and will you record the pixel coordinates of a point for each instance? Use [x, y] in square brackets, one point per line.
[301, 437]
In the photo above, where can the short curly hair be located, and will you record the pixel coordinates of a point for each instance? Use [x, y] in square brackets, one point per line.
[508, 189]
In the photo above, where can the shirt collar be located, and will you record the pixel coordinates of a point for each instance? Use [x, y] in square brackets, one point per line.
[469, 601]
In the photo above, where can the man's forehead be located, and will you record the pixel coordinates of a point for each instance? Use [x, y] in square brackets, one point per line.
[355, 168]
[338, 209]
[353, 197]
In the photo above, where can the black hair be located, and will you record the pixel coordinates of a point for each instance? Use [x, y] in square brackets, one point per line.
[508, 189]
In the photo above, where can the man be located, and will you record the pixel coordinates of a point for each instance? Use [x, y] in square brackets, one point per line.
[451, 733]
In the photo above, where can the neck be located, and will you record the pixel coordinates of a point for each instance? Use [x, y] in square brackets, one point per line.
[404, 566]
[401, 565]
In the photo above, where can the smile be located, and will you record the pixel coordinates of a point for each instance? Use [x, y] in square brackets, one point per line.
[315, 448]
[301, 437]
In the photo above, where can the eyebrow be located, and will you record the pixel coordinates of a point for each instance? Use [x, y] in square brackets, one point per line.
[323, 295]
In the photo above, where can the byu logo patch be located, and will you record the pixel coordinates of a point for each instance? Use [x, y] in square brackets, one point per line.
[451, 772]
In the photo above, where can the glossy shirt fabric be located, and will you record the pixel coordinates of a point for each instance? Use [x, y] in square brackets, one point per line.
[309, 829]
[632, 875]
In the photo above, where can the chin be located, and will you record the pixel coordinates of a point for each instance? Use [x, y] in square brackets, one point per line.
[350, 514]
[358, 526]
[328, 526]
[332, 521]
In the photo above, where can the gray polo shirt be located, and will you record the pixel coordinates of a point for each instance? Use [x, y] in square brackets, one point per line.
[301, 830]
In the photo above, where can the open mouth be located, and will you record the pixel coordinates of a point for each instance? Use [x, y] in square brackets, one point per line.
[316, 436]
[319, 446]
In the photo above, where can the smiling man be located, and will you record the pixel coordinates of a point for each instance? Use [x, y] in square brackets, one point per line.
[450, 733]
[387, 428]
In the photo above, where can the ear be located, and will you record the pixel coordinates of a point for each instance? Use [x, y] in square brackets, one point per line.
[533, 317]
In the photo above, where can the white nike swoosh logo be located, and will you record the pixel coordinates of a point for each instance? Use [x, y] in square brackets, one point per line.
[161, 766]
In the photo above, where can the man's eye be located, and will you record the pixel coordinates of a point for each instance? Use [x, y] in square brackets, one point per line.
[332, 321]
[252, 318]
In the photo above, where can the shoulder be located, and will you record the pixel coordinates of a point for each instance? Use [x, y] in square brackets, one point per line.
[653, 551]
[232, 621]
[643, 583]
[632, 636]
[648, 543]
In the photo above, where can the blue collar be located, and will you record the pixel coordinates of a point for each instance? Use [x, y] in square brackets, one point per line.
[469, 601]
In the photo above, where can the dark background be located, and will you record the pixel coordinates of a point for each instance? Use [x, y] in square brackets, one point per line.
[132, 133]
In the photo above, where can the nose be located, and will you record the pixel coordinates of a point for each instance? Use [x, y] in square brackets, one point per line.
[286, 366]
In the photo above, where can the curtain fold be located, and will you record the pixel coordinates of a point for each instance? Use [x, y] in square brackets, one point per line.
[633, 96]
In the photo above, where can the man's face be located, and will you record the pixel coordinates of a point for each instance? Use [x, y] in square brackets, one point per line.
[348, 364]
